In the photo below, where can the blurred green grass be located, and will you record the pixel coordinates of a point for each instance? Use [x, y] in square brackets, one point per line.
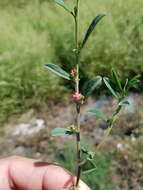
[37, 32]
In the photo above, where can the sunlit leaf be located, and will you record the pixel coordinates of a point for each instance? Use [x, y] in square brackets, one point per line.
[91, 85]
[91, 28]
[126, 84]
[84, 150]
[116, 80]
[124, 103]
[61, 132]
[98, 114]
[106, 81]
[58, 71]
[89, 154]
[62, 4]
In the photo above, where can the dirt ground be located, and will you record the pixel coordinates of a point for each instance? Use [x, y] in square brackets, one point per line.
[29, 135]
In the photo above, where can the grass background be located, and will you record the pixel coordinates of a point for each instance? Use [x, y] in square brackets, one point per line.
[37, 32]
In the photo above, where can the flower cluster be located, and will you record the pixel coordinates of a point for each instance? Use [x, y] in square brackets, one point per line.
[73, 72]
[78, 97]
[72, 128]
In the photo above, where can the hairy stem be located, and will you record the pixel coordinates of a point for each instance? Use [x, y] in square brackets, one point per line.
[77, 57]
[111, 123]
[78, 145]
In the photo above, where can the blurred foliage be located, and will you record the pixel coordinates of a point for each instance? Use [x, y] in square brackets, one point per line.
[38, 32]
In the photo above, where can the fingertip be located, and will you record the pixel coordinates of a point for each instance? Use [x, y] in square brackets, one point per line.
[58, 178]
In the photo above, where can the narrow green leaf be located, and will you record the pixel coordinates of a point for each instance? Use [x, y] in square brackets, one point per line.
[132, 82]
[84, 150]
[126, 84]
[89, 154]
[124, 103]
[106, 81]
[116, 80]
[91, 85]
[62, 4]
[98, 114]
[61, 132]
[88, 167]
[91, 28]
[58, 71]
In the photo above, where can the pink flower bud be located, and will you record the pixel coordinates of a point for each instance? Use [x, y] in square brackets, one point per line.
[77, 96]
[73, 72]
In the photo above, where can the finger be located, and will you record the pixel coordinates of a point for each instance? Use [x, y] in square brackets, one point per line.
[25, 174]
[29, 174]
[61, 179]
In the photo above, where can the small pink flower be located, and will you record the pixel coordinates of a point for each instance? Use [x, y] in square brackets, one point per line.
[77, 96]
[73, 72]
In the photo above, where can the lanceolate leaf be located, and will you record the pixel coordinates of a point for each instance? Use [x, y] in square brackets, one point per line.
[98, 114]
[61, 132]
[89, 154]
[116, 80]
[62, 4]
[91, 28]
[106, 81]
[58, 71]
[126, 84]
[132, 82]
[91, 85]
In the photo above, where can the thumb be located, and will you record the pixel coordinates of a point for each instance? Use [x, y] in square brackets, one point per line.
[82, 186]
[41, 175]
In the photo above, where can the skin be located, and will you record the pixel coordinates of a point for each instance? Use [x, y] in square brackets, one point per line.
[19, 173]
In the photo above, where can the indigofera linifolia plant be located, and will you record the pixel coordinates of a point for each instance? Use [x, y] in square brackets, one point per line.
[85, 158]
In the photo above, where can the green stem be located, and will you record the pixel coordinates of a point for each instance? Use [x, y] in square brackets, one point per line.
[111, 123]
[106, 134]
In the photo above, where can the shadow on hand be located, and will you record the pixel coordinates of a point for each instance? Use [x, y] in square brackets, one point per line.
[69, 178]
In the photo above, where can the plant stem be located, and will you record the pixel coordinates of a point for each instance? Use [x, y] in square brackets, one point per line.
[111, 123]
[78, 145]
[77, 57]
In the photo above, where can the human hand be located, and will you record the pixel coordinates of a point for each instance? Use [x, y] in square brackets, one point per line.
[18, 173]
